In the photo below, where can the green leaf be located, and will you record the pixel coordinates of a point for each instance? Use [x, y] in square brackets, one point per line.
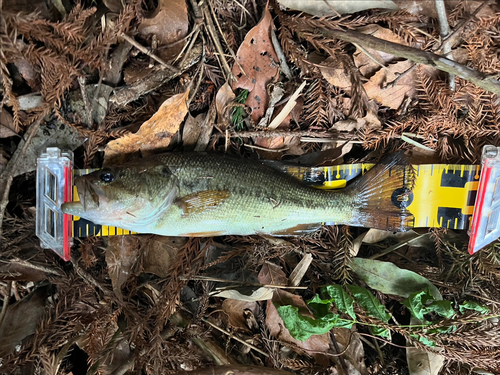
[320, 306]
[443, 308]
[471, 305]
[424, 340]
[341, 299]
[369, 303]
[380, 331]
[302, 327]
[390, 279]
[416, 303]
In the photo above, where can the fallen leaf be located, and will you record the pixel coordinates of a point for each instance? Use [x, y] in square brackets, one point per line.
[170, 23]
[260, 64]
[191, 131]
[392, 96]
[352, 348]
[121, 255]
[322, 8]
[271, 274]
[21, 319]
[161, 253]
[235, 312]
[223, 100]
[300, 270]
[154, 135]
[366, 64]
[335, 75]
[422, 362]
[390, 279]
[207, 126]
[260, 294]
[378, 235]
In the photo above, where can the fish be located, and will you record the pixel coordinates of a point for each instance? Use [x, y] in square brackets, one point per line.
[205, 194]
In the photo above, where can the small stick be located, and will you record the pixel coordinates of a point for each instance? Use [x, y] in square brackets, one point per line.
[5, 302]
[235, 337]
[218, 46]
[462, 24]
[418, 56]
[86, 103]
[149, 53]
[444, 31]
[266, 149]
[278, 133]
[281, 56]
[37, 267]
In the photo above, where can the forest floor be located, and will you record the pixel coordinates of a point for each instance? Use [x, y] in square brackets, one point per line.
[320, 83]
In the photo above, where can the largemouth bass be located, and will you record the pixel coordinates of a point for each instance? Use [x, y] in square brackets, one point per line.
[198, 194]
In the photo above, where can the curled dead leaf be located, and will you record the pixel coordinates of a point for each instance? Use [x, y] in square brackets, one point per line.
[154, 135]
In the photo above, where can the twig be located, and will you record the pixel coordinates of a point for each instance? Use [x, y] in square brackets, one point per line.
[207, 278]
[399, 76]
[279, 133]
[235, 337]
[337, 349]
[37, 267]
[5, 302]
[209, 25]
[149, 53]
[86, 103]
[444, 31]
[201, 72]
[281, 56]
[480, 79]
[461, 25]
[266, 149]
[89, 278]
[10, 170]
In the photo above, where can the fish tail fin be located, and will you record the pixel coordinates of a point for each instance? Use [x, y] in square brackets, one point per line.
[383, 194]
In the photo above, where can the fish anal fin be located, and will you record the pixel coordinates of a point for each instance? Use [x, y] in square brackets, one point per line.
[201, 201]
[204, 234]
[297, 230]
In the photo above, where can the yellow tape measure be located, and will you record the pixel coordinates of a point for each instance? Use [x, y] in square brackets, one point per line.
[444, 194]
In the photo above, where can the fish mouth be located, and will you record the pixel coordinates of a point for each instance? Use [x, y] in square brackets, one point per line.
[88, 193]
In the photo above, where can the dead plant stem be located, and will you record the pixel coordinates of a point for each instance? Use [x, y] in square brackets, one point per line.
[280, 133]
[418, 56]
[209, 25]
[149, 53]
[5, 302]
[235, 337]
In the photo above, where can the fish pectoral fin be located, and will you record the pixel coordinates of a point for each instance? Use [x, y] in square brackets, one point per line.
[202, 201]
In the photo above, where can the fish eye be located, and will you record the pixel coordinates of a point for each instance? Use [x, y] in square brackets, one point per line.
[107, 177]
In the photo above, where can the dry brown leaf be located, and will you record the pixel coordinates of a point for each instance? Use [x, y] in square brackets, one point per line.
[191, 131]
[161, 253]
[154, 135]
[121, 255]
[335, 74]
[235, 311]
[365, 63]
[169, 22]
[271, 274]
[354, 355]
[21, 319]
[392, 96]
[225, 96]
[7, 128]
[260, 63]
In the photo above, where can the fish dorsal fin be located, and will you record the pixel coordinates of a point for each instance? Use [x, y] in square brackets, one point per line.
[201, 201]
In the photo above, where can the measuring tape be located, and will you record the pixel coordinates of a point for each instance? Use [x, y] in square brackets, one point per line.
[444, 196]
